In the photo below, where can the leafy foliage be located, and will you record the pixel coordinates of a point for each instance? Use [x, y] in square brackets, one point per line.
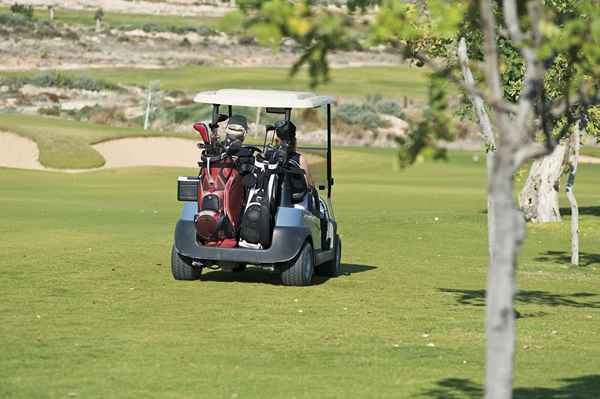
[317, 31]
[569, 33]
[434, 125]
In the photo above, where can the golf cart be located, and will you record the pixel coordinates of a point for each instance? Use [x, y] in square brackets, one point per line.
[255, 204]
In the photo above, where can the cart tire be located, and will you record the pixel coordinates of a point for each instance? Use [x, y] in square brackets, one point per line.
[333, 268]
[300, 270]
[182, 268]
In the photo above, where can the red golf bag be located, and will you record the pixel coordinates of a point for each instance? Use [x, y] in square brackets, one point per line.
[220, 200]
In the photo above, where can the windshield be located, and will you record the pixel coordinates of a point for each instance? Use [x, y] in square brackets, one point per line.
[312, 142]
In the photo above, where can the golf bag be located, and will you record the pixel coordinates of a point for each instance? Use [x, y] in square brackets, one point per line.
[220, 199]
[257, 222]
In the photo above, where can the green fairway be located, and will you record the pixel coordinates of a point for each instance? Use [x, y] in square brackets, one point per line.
[396, 82]
[65, 143]
[89, 308]
[123, 20]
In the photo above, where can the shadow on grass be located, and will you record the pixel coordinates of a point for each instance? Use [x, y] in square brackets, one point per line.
[562, 257]
[575, 300]
[256, 275]
[583, 210]
[584, 387]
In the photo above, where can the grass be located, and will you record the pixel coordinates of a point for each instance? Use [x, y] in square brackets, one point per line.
[393, 82]
[123, 20]
[89, 308]
[67, 144]
[590, 151]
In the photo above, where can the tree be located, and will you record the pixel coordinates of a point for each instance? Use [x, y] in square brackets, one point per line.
[521, 110]
[99, 17]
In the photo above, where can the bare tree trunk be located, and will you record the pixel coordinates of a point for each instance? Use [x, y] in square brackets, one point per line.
[573, 162]
[486, 132]
[509, 231]
[148, 108]
[539, 197]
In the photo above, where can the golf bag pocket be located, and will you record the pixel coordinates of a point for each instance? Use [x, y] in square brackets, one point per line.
[256, 226]
[206, 224]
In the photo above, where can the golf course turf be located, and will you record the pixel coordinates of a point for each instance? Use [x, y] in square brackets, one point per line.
[391, 81]
[89, 308]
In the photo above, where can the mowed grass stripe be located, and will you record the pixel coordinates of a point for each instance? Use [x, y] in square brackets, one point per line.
[122, 20]
[394, 82]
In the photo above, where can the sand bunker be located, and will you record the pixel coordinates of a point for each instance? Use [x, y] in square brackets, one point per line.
[18, 152]
[149, 151]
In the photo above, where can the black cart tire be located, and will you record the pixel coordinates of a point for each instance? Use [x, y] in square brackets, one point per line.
[182, 268]
[333, 268]
[299, 271]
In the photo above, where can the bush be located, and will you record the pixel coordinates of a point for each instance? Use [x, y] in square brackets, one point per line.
[359, 114]
[15, 21]
[50, 111]
[21, 9]
[61, 80]
[385, 106]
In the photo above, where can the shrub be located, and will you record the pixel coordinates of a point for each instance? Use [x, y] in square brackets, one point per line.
[54, 79]
[99, 15]
[50, 111]
[15, 21]
[359, 114]
[21, 9]
[385, 106]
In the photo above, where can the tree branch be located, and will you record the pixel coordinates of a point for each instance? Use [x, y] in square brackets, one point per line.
[477, 101]
[529, 151]
[490, 50]
[498, 104]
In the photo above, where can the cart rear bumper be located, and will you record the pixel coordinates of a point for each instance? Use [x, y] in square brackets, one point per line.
[286, 244]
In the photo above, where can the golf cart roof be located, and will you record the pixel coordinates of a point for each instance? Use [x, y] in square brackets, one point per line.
[263, 98]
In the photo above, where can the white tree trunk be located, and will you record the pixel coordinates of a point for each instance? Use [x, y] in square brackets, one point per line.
[508, 232]
[539, 197]
[148, 108]
[573, 162]
[486, 132]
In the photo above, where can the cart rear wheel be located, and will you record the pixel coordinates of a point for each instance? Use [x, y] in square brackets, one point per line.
[182, 268]
[300, 270]
[333, 268]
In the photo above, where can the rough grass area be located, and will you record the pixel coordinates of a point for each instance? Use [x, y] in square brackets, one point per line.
[89, 308]
[66, 144]
[393, 82]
